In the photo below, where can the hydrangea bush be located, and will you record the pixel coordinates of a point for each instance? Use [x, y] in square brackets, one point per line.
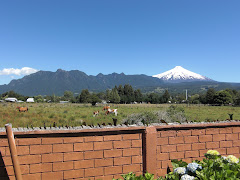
[213, 167]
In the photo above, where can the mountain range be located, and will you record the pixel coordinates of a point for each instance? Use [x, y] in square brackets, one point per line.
[176, 80]
[48, 83]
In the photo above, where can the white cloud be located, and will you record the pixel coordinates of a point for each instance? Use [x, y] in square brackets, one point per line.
[18, 72]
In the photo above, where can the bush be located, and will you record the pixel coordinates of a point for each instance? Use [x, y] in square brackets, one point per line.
[173, 114]
[176, 114]
[132, 176]
[213, 167]
[141, 118]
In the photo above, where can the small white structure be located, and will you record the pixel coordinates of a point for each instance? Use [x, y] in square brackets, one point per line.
[30, 100]
[11, 99]
[104, 102]
[63, 102]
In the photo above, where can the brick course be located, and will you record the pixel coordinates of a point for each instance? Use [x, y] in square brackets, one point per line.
[226, 140]
[106, 156]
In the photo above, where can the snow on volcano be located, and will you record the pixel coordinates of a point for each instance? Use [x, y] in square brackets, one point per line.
[179, 74]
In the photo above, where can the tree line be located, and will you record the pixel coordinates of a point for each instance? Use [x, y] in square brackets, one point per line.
[227, 96]
[126, 95]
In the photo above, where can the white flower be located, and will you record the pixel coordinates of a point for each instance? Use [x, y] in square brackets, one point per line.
[192, 167]
[187, 177]
[224, 157]
[180, 170]
[213, 152]
[232, 159]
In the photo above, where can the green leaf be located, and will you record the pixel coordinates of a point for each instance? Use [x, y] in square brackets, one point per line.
[178, 163]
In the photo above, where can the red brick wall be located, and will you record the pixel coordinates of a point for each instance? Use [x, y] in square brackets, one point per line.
[89, 157]
[193, 142]
[108, 153]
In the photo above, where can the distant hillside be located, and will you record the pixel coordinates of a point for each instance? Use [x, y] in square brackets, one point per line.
[196, 87]
[48, 83]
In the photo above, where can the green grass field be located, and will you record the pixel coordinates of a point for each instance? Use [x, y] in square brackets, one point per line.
[75, 114]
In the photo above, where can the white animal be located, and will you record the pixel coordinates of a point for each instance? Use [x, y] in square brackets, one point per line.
[95, 113]
[109, 111]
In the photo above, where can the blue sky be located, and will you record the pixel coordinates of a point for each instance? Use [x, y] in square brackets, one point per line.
[130, 36]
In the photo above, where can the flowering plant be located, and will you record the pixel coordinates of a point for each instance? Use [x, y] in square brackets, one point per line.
[213, 166]
[180, 170]
[232, 159]
[213, 152]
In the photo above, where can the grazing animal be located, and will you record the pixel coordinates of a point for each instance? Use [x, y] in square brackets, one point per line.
[109, 111]
[22, 109]
[106, 108]
[95, 113]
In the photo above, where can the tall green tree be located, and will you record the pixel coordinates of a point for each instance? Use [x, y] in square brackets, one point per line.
[108, 95]
[68, 96]
[165, 97]
[121, 94]
[211, 92]
[237, 100]
[84, 97]
[154, 98]
[222, 97]
[94, 99]
[114, 97]
[233, 93]
[138, 95]
[202, 98]
[101, 95]
[129, 93]
[120, 90]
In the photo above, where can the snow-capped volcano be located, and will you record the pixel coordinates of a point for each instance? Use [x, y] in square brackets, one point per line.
[179, 74]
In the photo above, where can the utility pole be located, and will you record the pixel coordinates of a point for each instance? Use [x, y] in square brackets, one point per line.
[186, 95]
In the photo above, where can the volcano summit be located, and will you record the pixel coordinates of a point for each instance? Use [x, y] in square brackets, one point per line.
[179, 74]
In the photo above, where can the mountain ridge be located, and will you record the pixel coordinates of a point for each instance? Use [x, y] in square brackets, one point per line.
[48, 83]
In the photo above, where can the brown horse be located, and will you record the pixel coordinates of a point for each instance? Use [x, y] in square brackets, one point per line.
[106, 108]
[22, 109]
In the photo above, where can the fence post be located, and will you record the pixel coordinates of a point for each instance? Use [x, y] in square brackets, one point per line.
[13, 152]
[150, 150]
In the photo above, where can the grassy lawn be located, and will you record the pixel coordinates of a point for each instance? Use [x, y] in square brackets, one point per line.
[75, 114]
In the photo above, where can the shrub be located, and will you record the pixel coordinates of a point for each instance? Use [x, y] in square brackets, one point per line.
[132, 176]
[212, 167]
[176, 114]
[144, 118]
[173, 114]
